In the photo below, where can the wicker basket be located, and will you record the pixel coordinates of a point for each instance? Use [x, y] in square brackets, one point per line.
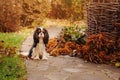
[102, 15]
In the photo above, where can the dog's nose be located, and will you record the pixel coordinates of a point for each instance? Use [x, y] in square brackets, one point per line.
[40, 34]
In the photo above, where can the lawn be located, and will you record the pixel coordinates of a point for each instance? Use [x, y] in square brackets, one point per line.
[12, 67]
[14, 39]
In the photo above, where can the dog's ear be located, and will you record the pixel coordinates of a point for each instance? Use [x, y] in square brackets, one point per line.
[46, 36]
[35, 36]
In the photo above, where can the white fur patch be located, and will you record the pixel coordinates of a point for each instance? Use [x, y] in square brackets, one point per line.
[39, 50]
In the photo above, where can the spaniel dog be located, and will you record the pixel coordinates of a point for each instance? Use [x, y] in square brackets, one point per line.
[40, 40]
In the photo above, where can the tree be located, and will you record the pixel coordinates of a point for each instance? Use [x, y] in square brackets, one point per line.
[16, 13]
[34, 12]
[9, 15]
[67, 9]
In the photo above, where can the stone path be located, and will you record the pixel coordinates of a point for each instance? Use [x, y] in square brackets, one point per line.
[65, 67]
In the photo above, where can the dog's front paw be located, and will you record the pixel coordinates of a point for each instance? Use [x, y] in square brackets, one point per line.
[35, 57]
[45, 58]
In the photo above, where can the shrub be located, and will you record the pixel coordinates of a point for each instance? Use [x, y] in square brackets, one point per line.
[74, 33]
[9, 15]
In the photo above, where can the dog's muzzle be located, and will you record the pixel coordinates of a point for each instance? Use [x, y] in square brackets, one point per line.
[41, 34]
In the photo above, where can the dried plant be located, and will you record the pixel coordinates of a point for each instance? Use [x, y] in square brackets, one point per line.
[99, 49]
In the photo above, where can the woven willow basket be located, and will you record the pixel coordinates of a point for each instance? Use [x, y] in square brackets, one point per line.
[104, 16]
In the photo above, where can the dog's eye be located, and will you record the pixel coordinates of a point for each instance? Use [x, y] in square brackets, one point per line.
[38, 31]
[43, 31]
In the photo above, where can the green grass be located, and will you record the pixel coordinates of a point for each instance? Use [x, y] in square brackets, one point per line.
[12, 67]
[14, 39]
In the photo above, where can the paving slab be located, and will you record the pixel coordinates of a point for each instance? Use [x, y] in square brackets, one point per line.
[65, 67]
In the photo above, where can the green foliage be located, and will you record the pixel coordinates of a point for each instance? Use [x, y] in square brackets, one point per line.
[74, 33]
[12, 68]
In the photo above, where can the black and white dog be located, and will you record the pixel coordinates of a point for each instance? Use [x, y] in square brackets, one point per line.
[40, 40]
